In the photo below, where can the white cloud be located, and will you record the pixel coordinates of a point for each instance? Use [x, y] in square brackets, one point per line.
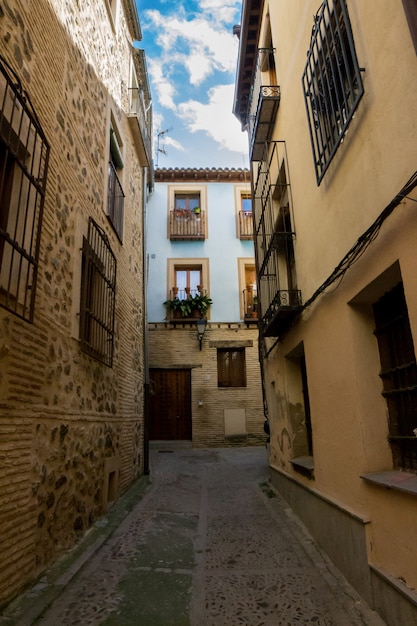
[196, 44]
[220, 9]
[191, 52]
[215, 118]
[164, 87]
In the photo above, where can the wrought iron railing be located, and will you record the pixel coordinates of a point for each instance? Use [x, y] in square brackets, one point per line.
[263, 104]
[137, 109]
[250, 304]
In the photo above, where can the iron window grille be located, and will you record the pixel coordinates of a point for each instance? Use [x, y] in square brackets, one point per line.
[332, 82]
[116, 200]
[398, 374]
[24, 157]
[98, 291]
[115, 194]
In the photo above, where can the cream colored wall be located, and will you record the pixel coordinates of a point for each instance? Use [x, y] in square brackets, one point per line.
[381, 140]
[376, 158]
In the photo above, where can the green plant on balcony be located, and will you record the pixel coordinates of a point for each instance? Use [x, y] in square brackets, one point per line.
[191, 306]
[200, 303]
[178, 308]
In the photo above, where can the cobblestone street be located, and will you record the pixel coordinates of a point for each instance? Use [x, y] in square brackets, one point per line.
[208, 544]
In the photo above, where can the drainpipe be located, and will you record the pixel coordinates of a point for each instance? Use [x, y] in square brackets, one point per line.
[145, 265]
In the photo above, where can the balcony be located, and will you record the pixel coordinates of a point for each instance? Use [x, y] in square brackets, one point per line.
[245, 225]
[250, 305]
[187, 305]
[263, 121]
[282, 310]
[138, 123]
[187, 224]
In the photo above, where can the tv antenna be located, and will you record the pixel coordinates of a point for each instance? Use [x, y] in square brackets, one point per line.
[160, 150]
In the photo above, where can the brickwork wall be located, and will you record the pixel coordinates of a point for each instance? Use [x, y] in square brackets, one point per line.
[61, 412]
[177, 346]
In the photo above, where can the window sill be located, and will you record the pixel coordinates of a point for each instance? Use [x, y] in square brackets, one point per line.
[394, 479]
[304, 465]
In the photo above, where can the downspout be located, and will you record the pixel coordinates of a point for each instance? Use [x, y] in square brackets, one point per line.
[145, 265]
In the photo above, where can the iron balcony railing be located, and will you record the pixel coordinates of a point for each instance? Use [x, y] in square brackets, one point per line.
[116, 198]
[245, 225]
[283, 307]
[140, 124]
[279, 299]
[250, 304]
[187, 224]
[263, 105]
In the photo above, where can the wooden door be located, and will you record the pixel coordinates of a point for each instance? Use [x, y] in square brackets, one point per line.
[170, 405]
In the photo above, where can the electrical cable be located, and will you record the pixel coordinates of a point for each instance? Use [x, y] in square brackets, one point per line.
[358, 249]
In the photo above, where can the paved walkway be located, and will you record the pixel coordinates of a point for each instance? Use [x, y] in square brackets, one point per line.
[209, 543]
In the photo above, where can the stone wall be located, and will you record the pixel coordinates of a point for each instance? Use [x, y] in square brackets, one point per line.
[176, 345]
[71, 435]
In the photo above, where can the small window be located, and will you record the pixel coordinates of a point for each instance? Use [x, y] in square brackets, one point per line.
[246, 203]
[187, 219]
[188, 281]
[116, 196]
[231, 367]
[24, 155]
[187, 277]
[398, 374]
[332, 82]
[98, 289]
[187, 201]
[245, 216]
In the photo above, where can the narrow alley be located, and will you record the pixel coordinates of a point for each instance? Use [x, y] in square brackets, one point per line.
[209, 544]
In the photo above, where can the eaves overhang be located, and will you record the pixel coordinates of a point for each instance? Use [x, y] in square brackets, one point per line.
[132, 18]
[247, 56]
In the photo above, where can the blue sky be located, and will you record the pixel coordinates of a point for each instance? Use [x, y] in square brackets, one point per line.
[191, 56]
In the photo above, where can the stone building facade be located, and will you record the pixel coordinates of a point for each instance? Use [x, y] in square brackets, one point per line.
[327, 93]
[199, 242]
[75, 160]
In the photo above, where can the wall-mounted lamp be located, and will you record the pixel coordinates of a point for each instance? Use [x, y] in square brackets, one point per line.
[201, 329]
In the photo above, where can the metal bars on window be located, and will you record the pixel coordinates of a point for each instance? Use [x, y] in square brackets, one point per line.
[98, 290]
[116, 200]
[332, 82]
[24, 156]
[398, 374]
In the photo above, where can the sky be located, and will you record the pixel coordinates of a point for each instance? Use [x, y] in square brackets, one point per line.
[191, 55]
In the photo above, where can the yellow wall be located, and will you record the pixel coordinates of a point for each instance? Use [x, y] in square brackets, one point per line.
[376, 158]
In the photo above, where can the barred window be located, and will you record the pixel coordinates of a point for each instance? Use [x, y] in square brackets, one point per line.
[24, 155]
[115, 194]
[332, 82]
[398, 375]
[98, 290]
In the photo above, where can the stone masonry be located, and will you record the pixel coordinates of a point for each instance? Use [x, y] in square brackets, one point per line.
[71, 429]
[171, 346]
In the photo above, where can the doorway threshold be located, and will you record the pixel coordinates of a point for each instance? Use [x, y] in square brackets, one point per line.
[166, 446]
